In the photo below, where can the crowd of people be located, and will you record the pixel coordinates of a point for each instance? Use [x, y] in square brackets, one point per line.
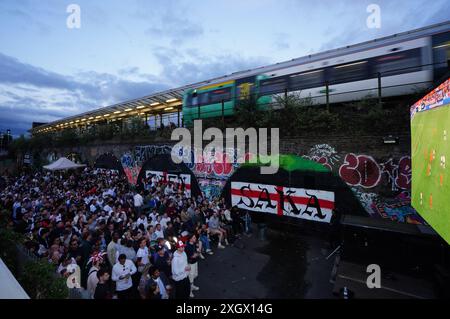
[126, 242]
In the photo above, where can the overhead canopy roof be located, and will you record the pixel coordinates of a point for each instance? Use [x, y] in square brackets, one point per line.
[167, 102]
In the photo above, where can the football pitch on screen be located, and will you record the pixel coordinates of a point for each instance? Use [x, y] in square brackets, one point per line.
[430, 174]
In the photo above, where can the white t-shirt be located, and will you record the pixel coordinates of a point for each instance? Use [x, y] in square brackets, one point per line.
[107, 209]
[93, 208]
[142, 220]
[92, 281]
[143, 253]
[159, 233]
[168, 191]
[138, 200]
[153, 216]
[164, 222]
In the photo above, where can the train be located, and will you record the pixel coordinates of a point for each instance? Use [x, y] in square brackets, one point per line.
[396, 65]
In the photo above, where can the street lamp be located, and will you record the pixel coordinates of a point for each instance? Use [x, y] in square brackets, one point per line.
[7, 138]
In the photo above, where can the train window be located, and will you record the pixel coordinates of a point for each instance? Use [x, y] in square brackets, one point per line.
[272, 86]
[354, 71]
[203, 98]
[192, 99]
[398, 63]
[306, 80]
[188, 100]
[219, 95]
[441, 53]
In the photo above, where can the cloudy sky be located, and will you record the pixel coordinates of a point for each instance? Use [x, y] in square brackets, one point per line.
[128, 49]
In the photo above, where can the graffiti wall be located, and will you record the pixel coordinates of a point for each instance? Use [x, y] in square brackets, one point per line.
[382, 184]
[133, 160]
[131, 167]
[211, 167]
[368, 176]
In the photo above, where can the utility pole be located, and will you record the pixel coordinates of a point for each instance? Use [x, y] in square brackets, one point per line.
[379, 88]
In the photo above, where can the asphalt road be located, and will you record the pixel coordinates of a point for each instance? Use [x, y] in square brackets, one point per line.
[281, 266]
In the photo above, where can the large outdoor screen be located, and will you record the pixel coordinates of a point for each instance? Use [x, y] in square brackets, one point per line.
[430, 140]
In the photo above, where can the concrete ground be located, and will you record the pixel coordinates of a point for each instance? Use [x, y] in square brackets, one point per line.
[282, 266]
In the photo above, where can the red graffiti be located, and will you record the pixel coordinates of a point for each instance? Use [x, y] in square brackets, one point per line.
[221, 165]
[324, 161]
[132, 174]
[360, 170]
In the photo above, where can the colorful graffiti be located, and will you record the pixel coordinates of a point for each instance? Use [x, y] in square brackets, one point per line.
[211, 188]
[131, 167]
[132, 161]
[399, 174]
[323, 154]
[361, 172]
[397, 208]
[364, 171]
[211, 167]
[209, 163]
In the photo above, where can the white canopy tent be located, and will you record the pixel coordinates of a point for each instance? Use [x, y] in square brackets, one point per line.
[63, 164]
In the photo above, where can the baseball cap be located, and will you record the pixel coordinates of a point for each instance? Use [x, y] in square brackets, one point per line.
[180, 244]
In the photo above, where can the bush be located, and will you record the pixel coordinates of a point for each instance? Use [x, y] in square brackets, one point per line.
[37, 277]
[39, 281]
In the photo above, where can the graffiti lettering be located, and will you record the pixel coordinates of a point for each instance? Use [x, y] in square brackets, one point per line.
[360, 170]
[404, 172]
[143, 153]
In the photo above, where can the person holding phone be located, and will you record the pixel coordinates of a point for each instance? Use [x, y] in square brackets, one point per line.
[121, 274]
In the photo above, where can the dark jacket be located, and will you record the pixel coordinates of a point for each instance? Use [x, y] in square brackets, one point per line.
[190, 250]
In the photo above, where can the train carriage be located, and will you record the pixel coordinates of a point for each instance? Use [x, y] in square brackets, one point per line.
[397, 65]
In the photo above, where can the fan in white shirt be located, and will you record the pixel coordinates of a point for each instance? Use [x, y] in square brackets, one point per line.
[164, 220]
[142, 253]
[122, 272]
[142, 220]
[158, 231]
[138, 200]
[107, 209]
[153, 215]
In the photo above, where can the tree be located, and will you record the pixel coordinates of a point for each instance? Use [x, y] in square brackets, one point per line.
[249, 114]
